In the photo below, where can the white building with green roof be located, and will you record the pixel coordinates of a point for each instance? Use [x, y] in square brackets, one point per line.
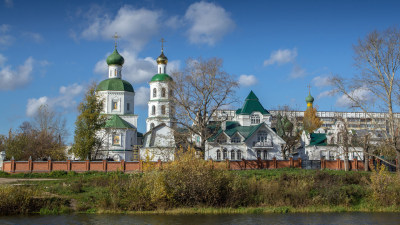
[159, 141]
[120, 132]
[246, 135]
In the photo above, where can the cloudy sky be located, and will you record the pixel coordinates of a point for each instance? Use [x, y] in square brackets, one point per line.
[50, 51]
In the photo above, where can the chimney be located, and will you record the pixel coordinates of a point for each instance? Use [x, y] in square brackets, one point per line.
[223, 125]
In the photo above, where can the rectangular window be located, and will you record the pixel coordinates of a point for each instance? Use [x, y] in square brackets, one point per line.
[115, 105]
[127, 106]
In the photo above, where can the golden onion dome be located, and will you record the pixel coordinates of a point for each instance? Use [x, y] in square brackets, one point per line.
[162, 59]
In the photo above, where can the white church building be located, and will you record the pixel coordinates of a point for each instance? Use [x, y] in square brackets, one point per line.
[120, 133]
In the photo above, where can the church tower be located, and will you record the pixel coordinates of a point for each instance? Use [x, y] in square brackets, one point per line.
[160, 107]
[120, 131]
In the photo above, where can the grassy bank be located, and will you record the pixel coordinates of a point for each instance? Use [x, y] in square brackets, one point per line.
[190, 186]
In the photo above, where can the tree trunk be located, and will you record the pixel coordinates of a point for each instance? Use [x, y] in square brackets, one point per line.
[366, 155]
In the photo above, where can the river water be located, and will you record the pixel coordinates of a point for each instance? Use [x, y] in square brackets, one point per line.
[237, 219]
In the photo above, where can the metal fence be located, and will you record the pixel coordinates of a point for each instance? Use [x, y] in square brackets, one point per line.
[311, 164]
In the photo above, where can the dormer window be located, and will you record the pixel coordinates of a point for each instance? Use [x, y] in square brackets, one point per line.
[255, 119]
[235, 139]
[163, 92]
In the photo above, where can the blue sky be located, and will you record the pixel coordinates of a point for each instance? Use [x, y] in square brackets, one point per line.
[50, 51]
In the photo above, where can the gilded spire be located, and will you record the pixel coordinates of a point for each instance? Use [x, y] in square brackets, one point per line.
[162, 44]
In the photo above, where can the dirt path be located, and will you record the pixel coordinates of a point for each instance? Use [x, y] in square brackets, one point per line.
[16, 180]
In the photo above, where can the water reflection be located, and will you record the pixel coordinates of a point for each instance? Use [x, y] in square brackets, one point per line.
[291, 218]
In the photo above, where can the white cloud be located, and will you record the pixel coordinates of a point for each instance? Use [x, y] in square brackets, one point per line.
[325, 94]
[9, 3]
[321, 81]
[208, 23]
[142, 96]
[36, 37]
[174, 22]
[360, 95]
[66, 99]
[281, 56]
[136, 26]
[135, 70]
[4, 28]
[297, 72]
[11, 79]
[247, 80]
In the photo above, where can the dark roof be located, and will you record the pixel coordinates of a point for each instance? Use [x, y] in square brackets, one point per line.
[318, 139]
[251, 104]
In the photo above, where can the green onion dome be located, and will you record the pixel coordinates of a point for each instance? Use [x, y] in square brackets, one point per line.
[115, 59]
[115, 84]
[162, 59]
[161, 77]
[309, 98]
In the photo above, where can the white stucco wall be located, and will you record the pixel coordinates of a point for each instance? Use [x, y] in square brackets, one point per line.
[159, 143]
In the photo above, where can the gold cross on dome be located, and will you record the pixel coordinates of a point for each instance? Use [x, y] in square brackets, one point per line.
[162, 44]
[309, 89]
[115, 38]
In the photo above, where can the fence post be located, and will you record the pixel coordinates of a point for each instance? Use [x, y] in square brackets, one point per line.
[104, 165]
[275, 163]
[123, 165]
[68, 165]
[228, 164]
[12, 165]
[291, 162]
[87, 164]
[244, 161]
[338, 164]
[49, 164]
[30, 166]
[300, 163]
[159, 164]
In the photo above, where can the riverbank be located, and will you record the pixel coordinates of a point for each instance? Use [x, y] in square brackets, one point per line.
[190, 186]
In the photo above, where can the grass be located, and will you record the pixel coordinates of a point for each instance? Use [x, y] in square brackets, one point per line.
[255, 192]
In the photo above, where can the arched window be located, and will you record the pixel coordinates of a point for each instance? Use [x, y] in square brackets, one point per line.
[239, 155]
[255, 119]
[258, 154]
[232, 155]
[218, 155]
[265, 154]
[163, 109]
[163, 92]
[151, 125]
[153, 110]
[224, 154]
[154, 92]
[170, 93]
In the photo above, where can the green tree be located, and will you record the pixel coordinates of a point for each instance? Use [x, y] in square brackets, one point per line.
[87, 142]
[311, 121]
[285, 129]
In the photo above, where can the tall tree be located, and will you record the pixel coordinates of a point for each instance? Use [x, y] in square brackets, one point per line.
[199, 90]
[377, 57]
[286, 130]
[87, 140]
[311, 121]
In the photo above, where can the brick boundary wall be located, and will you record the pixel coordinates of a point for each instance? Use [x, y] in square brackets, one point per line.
[137, 166]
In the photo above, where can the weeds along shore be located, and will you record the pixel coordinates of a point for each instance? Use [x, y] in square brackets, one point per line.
[191, 186]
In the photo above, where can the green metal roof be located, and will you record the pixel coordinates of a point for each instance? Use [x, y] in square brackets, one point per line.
[251, 104]
[161, 77]
[233, 127]
[116, 122]
[115, 84]
[115, 59]
[318, 139]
